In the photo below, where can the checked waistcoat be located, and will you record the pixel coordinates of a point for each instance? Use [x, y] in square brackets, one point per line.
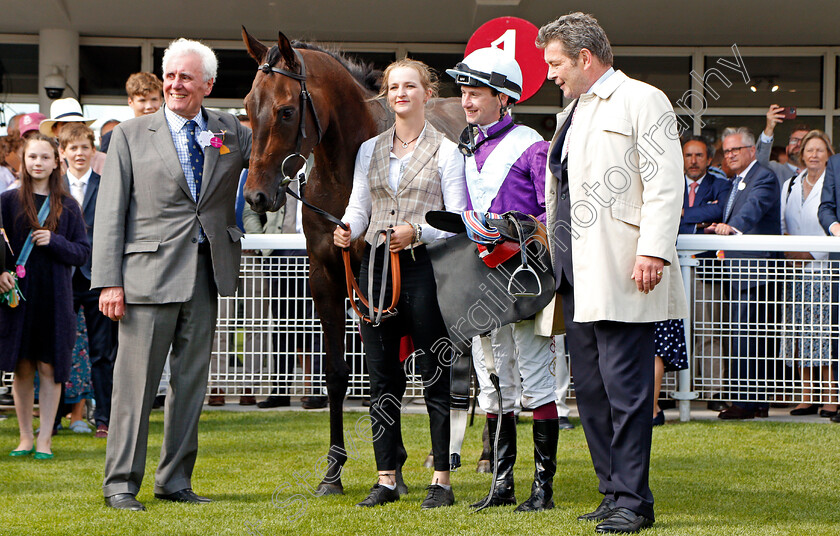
[419, 189]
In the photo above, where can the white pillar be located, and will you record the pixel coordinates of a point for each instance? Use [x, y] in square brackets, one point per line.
[58, 48]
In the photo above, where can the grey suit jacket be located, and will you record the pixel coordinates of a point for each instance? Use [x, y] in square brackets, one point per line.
[147, 222]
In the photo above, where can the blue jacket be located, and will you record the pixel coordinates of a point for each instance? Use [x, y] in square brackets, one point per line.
[88, 211]
[757, 209]
[709, 202]
[830, 202]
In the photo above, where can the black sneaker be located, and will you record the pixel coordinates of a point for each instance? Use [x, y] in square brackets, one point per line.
[438, 496]
[564, 423]
[380, 495]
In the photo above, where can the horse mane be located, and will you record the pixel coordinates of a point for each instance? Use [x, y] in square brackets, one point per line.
[364, 73]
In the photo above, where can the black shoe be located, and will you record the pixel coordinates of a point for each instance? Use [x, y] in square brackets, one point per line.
[314, 402]
[7, 400]
[274, 401]
[546, 434]
[185, 495]
[503, 492]
[380, 495]
[623, 521]
[811, 409]
[825, 414]
[160, 401]
[563, 423]
[659, 420]
[736, 412]
[836, 418]
[717, 405]
[124, 501]
[438, 496]
[604, 510]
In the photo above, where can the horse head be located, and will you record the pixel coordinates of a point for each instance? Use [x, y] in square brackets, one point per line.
[284, 123]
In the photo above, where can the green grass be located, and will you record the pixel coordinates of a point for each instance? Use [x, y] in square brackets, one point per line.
[709, 478]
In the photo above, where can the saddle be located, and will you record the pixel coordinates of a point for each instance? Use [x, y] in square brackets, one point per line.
[491, 275]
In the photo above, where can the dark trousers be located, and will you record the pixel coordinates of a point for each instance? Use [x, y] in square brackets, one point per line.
[102, 340]
[418, 316]
[752, 312]
[613, 368]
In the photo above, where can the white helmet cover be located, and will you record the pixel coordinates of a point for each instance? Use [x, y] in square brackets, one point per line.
[490, 67]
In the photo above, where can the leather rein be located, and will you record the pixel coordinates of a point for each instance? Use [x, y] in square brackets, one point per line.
[376, 314]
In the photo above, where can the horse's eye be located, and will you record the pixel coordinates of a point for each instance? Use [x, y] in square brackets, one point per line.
[287, 113]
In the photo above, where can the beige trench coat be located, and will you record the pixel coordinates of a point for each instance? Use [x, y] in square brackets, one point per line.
[626, 186]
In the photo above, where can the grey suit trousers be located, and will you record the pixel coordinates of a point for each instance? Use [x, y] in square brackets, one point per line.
[146, 333]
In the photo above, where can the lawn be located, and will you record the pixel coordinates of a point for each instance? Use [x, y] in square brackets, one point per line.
[709, 478]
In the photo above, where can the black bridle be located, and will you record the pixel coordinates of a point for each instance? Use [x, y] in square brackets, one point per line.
[305, 102]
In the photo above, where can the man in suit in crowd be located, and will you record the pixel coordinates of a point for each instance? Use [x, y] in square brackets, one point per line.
[752, 208]
[705, 197]
[166, 244]
[76, 146]
[614, 189]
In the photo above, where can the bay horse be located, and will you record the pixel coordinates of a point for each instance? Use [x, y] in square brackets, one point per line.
[329, 112]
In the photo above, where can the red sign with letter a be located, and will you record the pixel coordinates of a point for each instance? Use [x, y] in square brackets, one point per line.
[515, 36]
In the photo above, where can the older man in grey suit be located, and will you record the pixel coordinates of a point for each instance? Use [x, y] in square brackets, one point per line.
[166, 244]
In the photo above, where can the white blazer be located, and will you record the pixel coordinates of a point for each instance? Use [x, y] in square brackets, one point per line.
[626, 188]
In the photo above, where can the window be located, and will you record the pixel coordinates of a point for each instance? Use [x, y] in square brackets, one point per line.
[18, 69]
[103, 70]
[669, 74]
[783, 80]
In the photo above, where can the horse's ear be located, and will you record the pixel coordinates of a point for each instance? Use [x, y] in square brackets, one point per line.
[287, 52]
[256, 49]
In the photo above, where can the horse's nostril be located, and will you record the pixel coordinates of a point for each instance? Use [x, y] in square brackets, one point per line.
[260, 200]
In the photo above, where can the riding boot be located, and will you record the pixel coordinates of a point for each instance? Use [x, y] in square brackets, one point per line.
[545, 459]
[502, 493]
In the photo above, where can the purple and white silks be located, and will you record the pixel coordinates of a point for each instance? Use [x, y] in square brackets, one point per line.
[508, 172]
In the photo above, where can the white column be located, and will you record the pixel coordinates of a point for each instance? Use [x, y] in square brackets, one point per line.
[58, 48]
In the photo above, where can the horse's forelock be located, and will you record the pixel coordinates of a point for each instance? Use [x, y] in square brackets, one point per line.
[273, 56]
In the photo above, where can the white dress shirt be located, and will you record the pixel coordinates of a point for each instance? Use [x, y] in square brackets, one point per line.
[452, 183]
[78, 186]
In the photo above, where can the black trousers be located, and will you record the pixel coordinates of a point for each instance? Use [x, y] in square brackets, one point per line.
[102, 340]
[418, 316]
[613, 368]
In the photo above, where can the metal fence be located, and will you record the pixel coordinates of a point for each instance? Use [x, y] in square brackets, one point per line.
[759, 329]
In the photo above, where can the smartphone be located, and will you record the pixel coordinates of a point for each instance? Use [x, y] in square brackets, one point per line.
[789, 112]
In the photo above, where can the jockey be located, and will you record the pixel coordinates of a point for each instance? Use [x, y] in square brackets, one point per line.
[505, 170]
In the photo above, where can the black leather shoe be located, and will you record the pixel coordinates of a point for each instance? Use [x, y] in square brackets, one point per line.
[717, 405]
[659, 420]
[314, 402]
[604, 510]
[438, 496]
[274, 401]
[563, 423]
[124, 501]
[623, 521]
[825, 414]
[186, 495]
[811, 409]
[836, 418]
[380, 495]
[735, 412]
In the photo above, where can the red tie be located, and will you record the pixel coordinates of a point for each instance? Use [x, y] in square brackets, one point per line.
[692, 189]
